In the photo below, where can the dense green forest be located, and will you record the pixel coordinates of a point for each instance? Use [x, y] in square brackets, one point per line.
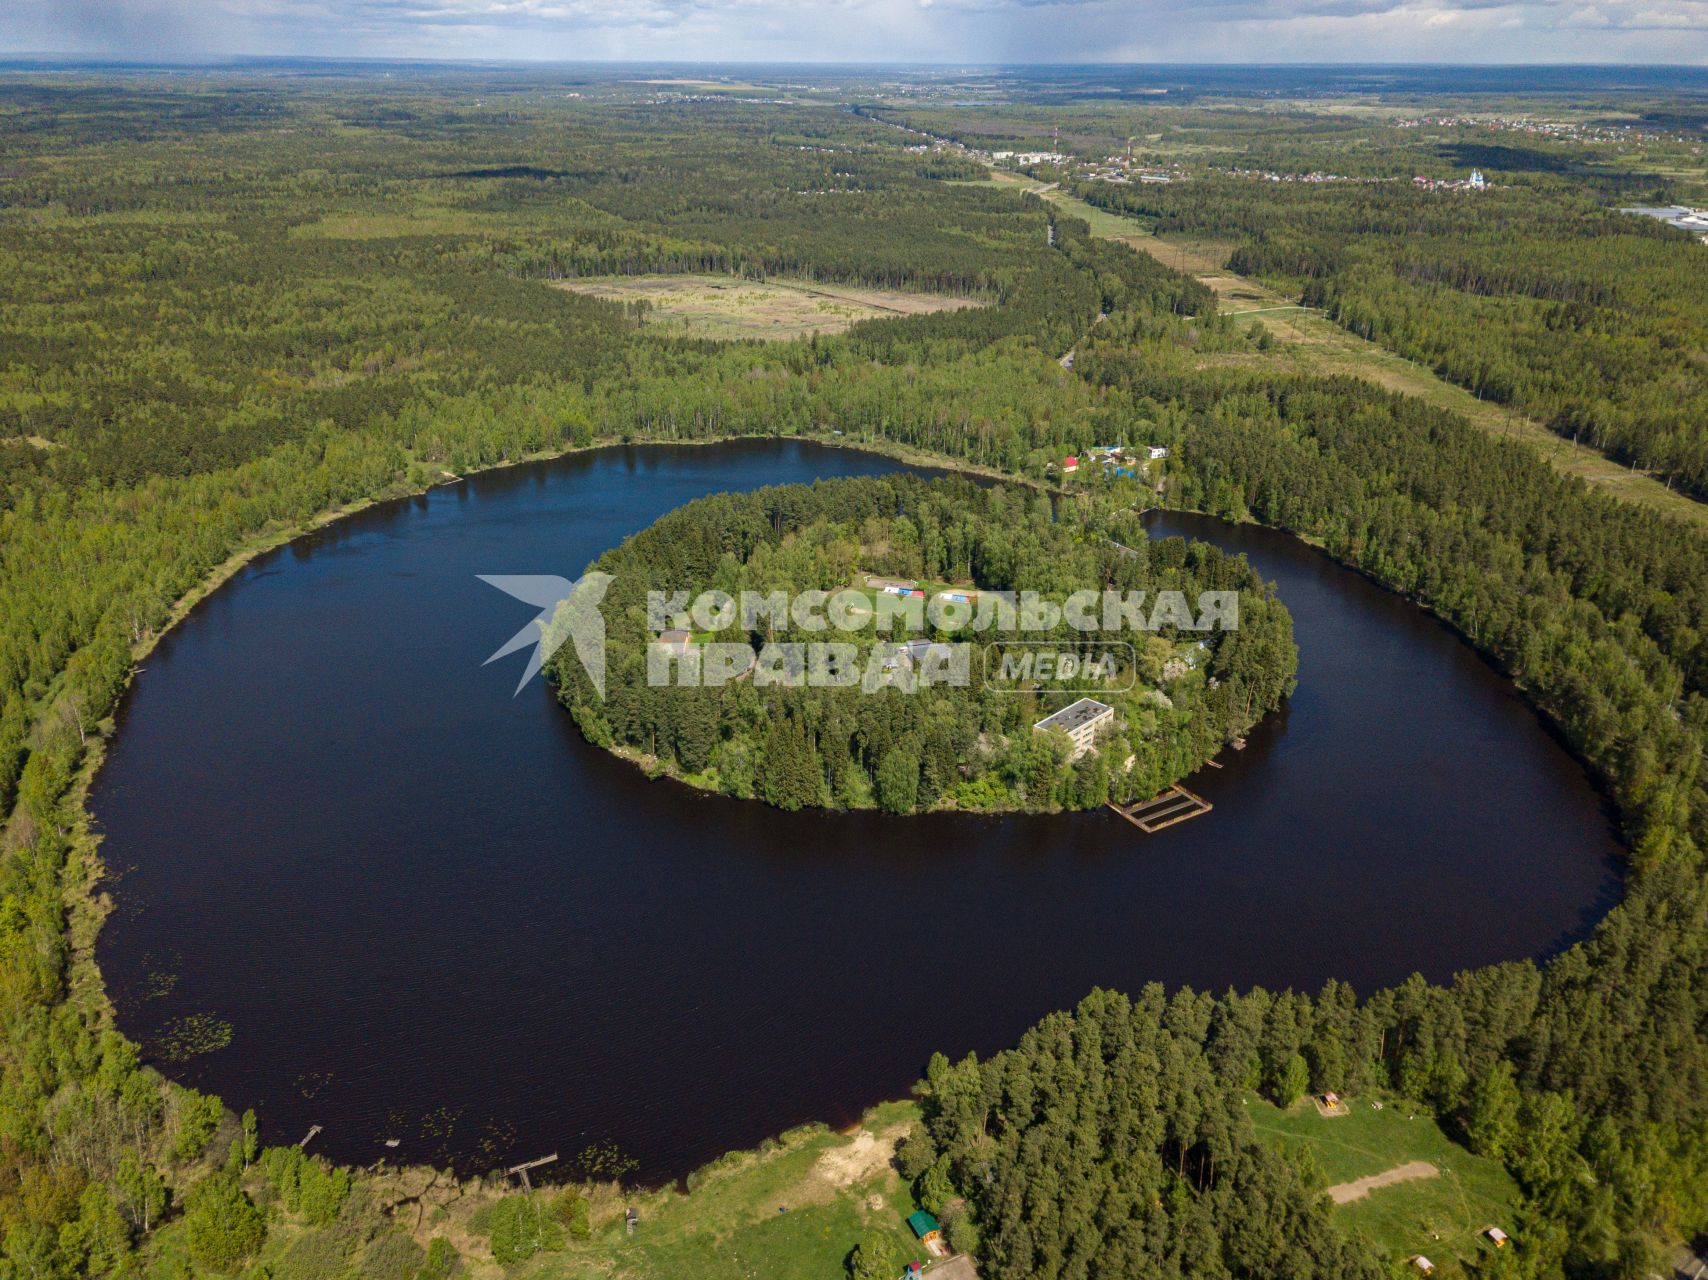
[1535, 293]
[1586, 319]
[964, 744]
[231, 307]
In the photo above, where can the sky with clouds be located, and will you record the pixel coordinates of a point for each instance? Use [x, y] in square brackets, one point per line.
[958, 31]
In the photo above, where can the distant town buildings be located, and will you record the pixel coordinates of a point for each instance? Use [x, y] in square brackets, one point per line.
[1314, 176]
[1476, 182]
[1031, 157]
[1556, 130]
[1684, 218]
[1121, 169]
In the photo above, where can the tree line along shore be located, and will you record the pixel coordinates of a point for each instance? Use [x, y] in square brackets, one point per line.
[215, 367]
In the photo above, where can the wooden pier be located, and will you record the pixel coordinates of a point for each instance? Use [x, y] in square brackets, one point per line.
[526, 1165]
[1177, 804]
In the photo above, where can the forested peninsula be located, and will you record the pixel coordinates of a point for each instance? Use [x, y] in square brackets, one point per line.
[884, 733]
[234, 307]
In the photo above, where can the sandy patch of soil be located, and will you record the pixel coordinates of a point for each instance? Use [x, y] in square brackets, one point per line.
[864, 1158]
[1346, 1192]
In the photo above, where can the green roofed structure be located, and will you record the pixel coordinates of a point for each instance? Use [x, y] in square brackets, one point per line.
[923, 1223]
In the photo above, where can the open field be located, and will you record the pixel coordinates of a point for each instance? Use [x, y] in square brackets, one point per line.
[1111, 226]
[713, 306]
[835, 1187]
[835, 1190]
[1312, 343]
[791, 1210]
[1410, 1210]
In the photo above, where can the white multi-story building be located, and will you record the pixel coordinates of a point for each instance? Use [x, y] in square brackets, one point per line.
[1080, 721]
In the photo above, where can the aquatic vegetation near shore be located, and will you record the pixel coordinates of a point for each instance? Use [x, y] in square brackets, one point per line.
[191, 1037]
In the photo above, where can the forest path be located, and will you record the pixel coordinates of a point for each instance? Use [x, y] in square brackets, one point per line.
[1307, 341]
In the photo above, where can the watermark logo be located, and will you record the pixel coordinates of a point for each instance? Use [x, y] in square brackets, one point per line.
[1074, 654]
[688, 650]
[1040, 665]
[569, 611]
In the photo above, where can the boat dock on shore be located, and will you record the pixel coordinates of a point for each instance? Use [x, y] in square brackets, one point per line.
[1175, 805]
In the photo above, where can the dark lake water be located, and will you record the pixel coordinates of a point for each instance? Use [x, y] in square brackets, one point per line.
[431, 912]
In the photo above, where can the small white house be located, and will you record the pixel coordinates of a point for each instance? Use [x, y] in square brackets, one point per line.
[1156, 452]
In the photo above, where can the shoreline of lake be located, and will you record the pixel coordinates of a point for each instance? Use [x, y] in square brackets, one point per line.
[747, 890]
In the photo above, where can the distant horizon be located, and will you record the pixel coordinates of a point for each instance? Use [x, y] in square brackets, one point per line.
[927, 33]
[8, 57]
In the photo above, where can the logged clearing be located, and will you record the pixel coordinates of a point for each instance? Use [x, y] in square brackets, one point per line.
[713, 306]
[1311, 343]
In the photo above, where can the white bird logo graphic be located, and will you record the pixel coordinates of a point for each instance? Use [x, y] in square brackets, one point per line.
[568, 611]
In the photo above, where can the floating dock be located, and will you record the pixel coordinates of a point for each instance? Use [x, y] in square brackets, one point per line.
[1177, 804]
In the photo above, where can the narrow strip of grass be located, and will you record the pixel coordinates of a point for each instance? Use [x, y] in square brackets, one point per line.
[1307, 341]
[793, 1209]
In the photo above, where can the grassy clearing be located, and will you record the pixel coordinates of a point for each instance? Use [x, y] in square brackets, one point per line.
[1111, 226]
[837, 1188]
[1309, 342]
[1441, 1216]
[713, 306]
